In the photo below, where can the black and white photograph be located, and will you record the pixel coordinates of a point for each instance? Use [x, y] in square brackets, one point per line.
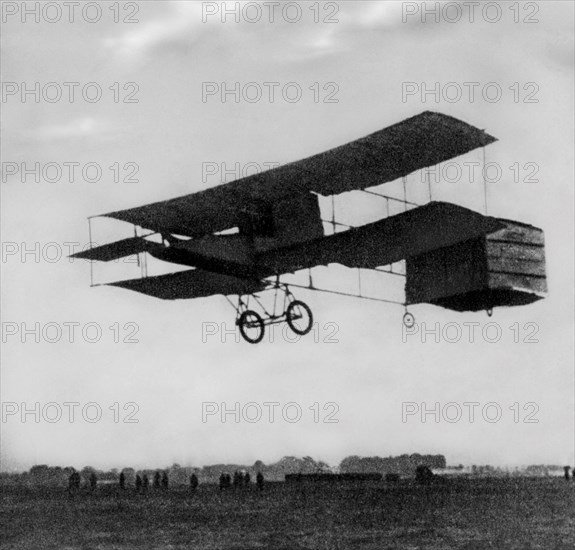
[287, 275]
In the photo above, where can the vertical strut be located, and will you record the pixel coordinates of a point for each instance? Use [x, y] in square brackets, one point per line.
[275, 297]
[404, 179]
[90, 241]
[484, 183]
[333, 213]
[138, 254]
[428, 182]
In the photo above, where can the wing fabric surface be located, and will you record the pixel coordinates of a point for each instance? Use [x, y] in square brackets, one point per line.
[423, 140]
[117, 249]
[193, 283]
[435, 225]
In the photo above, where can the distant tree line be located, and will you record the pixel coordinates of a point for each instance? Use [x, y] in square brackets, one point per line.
[176, 475]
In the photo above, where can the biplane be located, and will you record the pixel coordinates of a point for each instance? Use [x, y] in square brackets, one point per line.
[240, 238]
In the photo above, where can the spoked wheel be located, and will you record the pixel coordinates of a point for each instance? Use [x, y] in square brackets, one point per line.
[251, 327]
[299, 317]
[408, 319]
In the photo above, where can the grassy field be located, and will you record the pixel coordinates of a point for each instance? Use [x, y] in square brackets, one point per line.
[512, 513]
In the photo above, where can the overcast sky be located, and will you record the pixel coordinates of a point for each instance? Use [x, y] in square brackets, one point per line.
[369, 52]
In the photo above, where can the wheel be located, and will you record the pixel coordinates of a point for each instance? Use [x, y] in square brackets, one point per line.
[408, 319]
[299, 317]
[251, 326]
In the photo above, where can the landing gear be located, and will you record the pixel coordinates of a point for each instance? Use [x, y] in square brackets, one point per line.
[408, 319]
[251, 326]
[294, 312]
[299, 317]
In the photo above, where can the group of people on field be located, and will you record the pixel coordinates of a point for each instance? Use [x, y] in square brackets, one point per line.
[161, 481]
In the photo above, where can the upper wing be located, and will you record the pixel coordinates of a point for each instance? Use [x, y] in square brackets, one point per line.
[435, 225]
[193, 283]
[423, 140]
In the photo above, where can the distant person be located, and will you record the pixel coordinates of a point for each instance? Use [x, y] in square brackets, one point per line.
[247, 478]
[93, 481]
[165, 481]
[194, 482]
[145, 483]
[138, 483]
[122, 480]
[566, 470]
[222, 481]
[157, 480]
[260, 481]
